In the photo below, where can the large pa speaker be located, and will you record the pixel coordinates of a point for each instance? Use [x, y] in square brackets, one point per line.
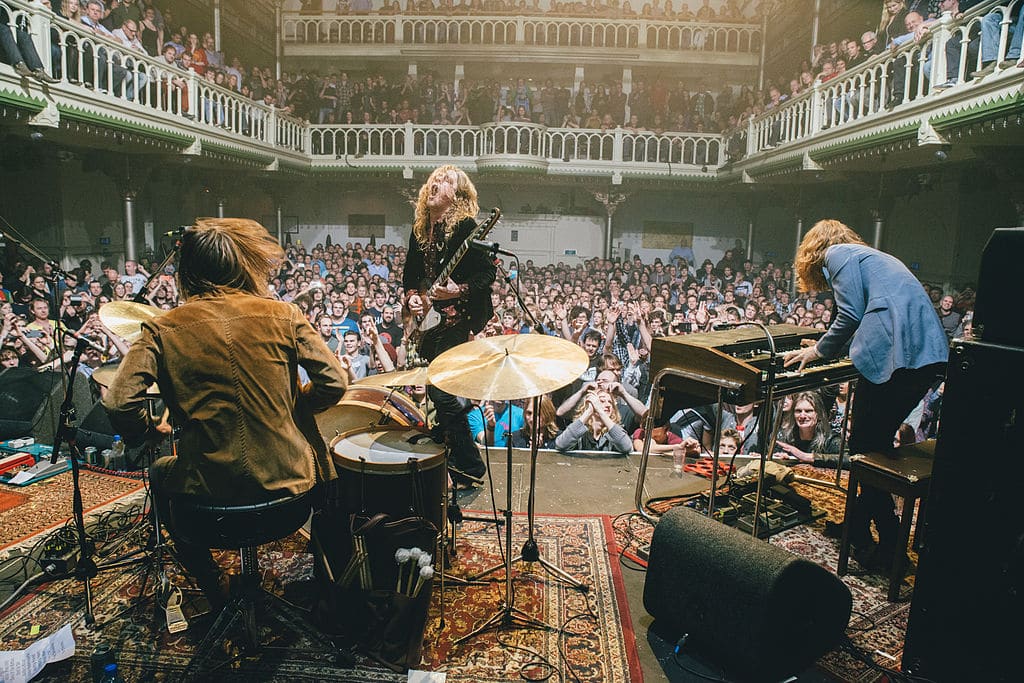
[965, 616]
[995, 317]
[759, 612]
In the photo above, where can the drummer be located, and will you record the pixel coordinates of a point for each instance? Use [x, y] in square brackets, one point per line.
[227, 364]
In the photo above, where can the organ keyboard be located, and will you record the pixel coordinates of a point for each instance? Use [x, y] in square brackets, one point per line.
[737, 361]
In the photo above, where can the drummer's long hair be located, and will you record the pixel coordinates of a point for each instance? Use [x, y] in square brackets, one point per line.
[810, 257]
[226, 255]
[465, 204]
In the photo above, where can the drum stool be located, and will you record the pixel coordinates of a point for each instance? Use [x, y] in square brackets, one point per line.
[245, 527]
[908, 475]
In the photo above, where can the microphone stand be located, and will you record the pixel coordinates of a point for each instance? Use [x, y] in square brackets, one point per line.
[140, 296]
[767, 437]
[86, 569]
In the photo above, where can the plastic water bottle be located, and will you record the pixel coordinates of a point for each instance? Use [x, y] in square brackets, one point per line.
[110, 674]
[117, 453]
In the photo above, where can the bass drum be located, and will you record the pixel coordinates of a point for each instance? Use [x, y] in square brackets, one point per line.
[396, 472]
[367, 409]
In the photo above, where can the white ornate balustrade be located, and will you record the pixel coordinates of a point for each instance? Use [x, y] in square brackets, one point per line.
[518, 146]
[900, 84]
[110, 87]
[526, 31]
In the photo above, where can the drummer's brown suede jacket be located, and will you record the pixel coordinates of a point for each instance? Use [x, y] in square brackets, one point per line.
[226, 367]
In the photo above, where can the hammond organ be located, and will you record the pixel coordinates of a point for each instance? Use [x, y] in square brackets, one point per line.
[693, 367]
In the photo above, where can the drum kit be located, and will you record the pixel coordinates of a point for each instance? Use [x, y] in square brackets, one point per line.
[377, 433]
[375, 430]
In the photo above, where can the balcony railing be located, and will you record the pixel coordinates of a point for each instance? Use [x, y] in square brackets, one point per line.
[523, 145]
[898, 86]
[945, 60]
[105, 71]
[561, 32]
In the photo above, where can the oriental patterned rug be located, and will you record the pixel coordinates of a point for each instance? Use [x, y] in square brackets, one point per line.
[876, 623]
[591, 631]
[47, 503]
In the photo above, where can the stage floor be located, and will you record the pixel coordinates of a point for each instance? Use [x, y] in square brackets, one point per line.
[603, 484]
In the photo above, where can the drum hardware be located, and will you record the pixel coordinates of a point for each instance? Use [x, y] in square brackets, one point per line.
[157, 553]
[504, 368]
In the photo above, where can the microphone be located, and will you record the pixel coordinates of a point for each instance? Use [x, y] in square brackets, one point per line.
[725, 326]
[491, 248]
[176, 232]
[82, 338]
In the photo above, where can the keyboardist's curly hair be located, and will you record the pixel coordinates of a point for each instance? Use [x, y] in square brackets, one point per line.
[811, 255]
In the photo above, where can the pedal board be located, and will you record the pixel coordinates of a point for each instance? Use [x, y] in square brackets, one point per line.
[41, 470]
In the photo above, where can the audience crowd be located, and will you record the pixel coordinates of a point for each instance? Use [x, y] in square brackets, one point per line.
[612, 308]
[657, 102]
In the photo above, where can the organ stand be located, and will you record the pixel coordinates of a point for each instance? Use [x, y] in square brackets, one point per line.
[732, 366]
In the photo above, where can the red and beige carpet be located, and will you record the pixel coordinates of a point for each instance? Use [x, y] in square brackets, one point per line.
[29, 510]
[592, 633]
[876, 624]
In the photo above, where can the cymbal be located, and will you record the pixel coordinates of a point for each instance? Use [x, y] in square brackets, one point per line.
[125, 318]
[397, 378]
[507, 367]
[104, 376]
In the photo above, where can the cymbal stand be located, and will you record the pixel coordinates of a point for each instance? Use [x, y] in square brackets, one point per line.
[509, 616]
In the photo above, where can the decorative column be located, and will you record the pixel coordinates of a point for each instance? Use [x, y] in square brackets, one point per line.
[610, 201]
[129, 195]
[280, 225]
[277, 38]
[878, 226]
[216, 25]
[750, 237]
[796, 248]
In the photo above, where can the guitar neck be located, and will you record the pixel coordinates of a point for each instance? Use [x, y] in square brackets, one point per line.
[479, 232]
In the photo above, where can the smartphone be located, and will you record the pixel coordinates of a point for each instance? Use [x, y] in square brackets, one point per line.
[33, 334]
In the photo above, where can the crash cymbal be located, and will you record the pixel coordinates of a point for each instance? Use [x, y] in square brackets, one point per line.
[508, 367]
[397, 378]
[125, 318]
[104, 375]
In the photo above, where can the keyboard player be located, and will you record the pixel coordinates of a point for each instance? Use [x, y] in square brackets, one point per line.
[896, 343]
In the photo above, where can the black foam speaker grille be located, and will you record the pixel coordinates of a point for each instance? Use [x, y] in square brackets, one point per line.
[758, 611]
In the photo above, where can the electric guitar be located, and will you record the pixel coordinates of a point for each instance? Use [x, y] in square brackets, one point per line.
[418, 325]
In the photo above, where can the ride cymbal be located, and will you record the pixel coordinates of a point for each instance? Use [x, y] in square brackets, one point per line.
[125, 318]
[509, 366]
[397, 378]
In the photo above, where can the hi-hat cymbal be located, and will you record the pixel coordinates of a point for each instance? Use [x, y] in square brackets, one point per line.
[508, 367]
[104, 375]
[397, 378]
[125, 318]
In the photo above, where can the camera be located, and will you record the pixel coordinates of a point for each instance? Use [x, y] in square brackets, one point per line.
[76, 300]
[33, 334]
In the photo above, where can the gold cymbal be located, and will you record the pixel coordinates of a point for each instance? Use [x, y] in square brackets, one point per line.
[125, 318]
[508, 367]
[397, 378]
[104, 376]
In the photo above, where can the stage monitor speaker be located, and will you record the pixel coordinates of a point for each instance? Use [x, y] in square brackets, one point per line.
[995, 307]
[965, 616]
[756, 610]
[30, 403]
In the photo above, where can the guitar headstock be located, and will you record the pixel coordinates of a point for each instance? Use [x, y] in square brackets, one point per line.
[484, 228]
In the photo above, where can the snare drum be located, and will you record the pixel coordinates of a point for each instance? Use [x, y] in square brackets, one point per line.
[366, 409]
